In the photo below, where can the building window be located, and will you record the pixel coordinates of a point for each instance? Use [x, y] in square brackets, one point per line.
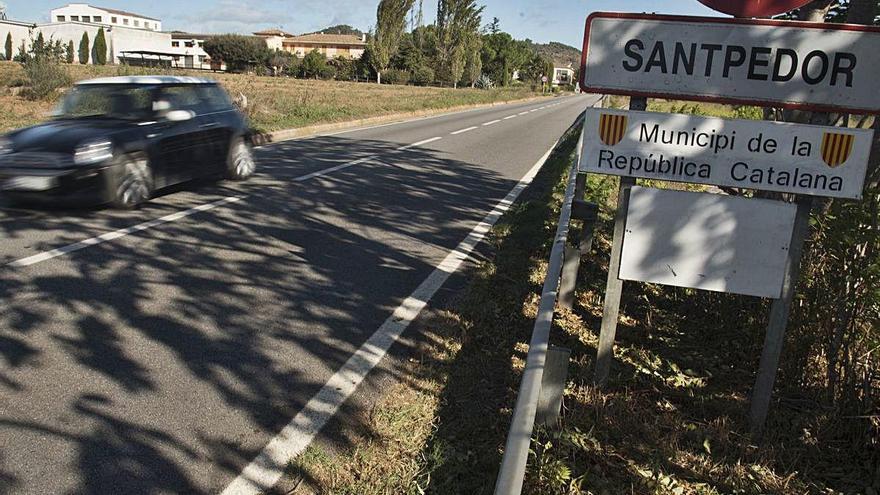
[202, 58]
[175, 44]
[113, 20]
[86, 18]
[125, 22]
[137, 23]
[74, 18]
[189, 44]
[97, 18]
[60, 18]
[147, 25]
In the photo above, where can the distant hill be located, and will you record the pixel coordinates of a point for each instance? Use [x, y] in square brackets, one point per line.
[340, 29]
[560, 53]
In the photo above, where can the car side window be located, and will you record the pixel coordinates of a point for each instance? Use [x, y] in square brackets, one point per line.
[214, 99]
[182, 98]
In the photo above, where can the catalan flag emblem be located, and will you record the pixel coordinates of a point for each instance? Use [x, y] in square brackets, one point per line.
[836, 148]
[612, 128]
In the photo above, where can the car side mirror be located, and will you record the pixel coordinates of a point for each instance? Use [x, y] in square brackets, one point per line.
[179, 115]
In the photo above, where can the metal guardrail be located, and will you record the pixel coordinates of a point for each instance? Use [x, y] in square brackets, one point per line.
[516, 451]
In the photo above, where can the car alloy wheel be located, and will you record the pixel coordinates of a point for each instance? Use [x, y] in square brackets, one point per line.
[135, 184]
[241, 160]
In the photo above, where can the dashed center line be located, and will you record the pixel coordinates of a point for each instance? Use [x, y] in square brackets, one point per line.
[523, 113]
[462, 131]
[510, 117]
[492, 122]
[420, 143]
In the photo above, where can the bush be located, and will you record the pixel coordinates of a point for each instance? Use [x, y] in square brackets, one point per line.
[313, 65]
[328, 72]
[44, 78]
[423, 75]
[395, 76]
[238, 52]
[346, 68]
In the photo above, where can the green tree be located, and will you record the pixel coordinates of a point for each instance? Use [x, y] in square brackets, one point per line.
[8, 46]
[70, 52]
[458, 21]
[502, 55]
[84, 49]
[238, 52]
[390, 23]
[313, 65]
[100, 48]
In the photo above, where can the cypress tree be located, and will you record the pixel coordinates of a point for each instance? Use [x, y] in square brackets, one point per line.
[100, 48]
[70, 52]
[8, 46]
[84, 49]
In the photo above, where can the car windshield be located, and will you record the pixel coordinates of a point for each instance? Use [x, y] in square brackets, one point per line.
[111, 101]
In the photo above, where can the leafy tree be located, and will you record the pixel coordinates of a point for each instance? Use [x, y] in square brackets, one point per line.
[502, 55]
[342, 29]
[84, 49]
[238, 52]
[458, 21]
[423, 76]
[8, 46]
[474, 65]
[281, 61]
[69, 52]
[390, 23]
[313, 65]
[100, 48]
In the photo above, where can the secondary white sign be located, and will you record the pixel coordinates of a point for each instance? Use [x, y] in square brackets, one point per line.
[707, 241]
[751, 154]
[764, 62]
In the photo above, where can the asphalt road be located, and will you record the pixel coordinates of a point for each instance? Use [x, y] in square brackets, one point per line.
[159, 350]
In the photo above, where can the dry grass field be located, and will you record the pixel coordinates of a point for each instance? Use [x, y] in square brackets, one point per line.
[273, 103]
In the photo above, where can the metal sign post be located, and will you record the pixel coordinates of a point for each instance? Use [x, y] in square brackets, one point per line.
[795, 65]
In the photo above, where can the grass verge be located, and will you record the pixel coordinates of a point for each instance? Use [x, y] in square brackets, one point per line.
[273, 103]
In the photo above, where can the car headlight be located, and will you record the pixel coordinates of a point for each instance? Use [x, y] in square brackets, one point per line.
[5, 145]
[93, 152]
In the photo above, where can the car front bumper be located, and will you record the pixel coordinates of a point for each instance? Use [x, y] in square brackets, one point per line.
[46, 178]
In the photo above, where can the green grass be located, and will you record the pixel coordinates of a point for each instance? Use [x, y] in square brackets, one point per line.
[276, 103]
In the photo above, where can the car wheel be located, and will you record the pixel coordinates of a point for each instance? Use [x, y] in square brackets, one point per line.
[240, 162]
[134, 181]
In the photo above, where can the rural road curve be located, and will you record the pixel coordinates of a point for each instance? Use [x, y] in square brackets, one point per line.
[160, 350]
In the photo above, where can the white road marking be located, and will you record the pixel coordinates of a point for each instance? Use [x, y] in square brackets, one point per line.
[268, 467]
[462, 131]
[420, 143]
[116, 234]
[493, 122]
[523, 113]
[510, 117]
[330, 170]
[533, 110]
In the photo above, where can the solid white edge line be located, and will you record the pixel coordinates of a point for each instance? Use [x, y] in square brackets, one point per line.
[268, 467]
[462, 131]
[492, 122]
[420, 143]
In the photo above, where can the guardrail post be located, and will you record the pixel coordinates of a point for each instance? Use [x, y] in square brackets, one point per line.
[587, 213]
[552, 386]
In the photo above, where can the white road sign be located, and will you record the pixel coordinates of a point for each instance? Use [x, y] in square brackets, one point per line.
[750, 154]
[751, 61]
[707, 241]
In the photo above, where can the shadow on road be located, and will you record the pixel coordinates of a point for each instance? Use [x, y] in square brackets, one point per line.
[164, 361]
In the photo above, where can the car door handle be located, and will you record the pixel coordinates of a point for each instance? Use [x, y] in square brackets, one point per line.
[209, 125]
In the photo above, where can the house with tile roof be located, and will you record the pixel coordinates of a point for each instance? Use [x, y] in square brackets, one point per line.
[330, 45]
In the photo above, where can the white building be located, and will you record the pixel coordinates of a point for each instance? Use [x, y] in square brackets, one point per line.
[188, 51]
[81, 12]
[563, 75]
[122, 43]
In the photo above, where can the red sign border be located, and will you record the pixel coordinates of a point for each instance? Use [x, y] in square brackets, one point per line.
[719, 20]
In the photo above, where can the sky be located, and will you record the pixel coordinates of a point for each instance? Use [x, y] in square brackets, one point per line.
[539, 20]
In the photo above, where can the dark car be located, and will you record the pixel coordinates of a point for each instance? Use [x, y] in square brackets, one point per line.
[118, 140]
